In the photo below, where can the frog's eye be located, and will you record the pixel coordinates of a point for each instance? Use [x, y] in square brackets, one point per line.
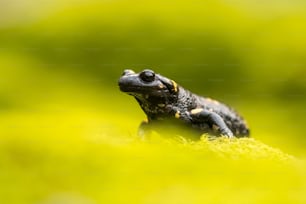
[147, 75]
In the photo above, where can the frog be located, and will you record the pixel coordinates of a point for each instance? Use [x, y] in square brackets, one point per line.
[166, 103]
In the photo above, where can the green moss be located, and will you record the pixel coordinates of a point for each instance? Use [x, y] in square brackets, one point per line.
[73, 158]
[245, 148]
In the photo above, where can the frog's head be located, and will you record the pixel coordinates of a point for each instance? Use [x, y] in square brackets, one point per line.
[146, 86]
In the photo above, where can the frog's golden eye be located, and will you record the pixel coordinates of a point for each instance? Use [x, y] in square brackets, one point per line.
[147, 75]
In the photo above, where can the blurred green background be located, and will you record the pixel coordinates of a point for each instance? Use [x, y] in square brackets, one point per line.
[64, 120]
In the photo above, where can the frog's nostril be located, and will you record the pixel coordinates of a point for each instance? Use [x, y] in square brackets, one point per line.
[128, 72]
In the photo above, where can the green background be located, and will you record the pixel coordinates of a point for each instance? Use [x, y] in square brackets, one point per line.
[63, 117]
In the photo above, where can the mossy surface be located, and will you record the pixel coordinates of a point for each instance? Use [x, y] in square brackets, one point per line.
[45, 159]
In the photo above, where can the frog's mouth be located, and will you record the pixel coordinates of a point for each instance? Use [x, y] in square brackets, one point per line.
[140, 90]
[131, 89]
[130, 84]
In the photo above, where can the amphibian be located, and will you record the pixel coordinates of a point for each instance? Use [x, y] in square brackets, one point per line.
[163, 100]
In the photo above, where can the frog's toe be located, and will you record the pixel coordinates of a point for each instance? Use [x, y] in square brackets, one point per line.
[227, 132]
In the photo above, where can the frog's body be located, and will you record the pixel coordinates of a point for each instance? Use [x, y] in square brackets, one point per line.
[163, 100]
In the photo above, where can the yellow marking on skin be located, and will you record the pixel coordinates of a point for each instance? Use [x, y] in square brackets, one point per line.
[196, 111]
[161, 86]
[174, 85]
[177, 114]
[161, 105]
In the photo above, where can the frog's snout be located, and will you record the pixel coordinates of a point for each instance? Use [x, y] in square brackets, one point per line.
[127, 72]
[127, 80]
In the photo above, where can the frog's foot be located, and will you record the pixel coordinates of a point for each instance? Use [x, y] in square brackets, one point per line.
[213, 119]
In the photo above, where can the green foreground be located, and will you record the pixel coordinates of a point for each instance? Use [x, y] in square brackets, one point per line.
[81, 158]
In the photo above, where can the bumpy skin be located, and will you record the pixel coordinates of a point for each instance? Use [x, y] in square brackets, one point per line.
[165, 102]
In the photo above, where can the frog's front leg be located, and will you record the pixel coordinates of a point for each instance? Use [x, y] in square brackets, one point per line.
[214, 120]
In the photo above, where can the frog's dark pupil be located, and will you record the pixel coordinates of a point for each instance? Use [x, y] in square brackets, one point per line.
[147, 76]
